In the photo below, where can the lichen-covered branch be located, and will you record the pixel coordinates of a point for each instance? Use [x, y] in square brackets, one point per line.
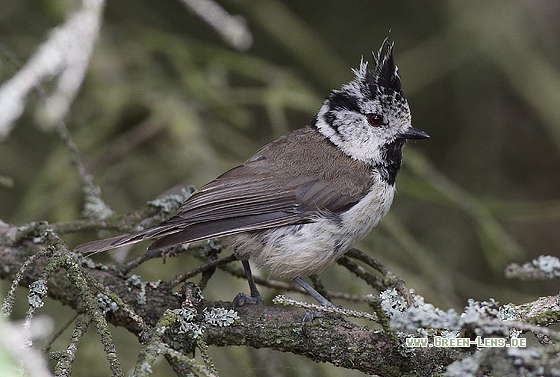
[171, 324]
[328, 339]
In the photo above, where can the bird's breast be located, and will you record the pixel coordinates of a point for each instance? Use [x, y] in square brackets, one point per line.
[368, 212]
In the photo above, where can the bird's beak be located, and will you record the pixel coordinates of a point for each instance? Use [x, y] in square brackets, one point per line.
[414, 133]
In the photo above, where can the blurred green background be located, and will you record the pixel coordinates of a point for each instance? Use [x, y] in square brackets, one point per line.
[167, 104]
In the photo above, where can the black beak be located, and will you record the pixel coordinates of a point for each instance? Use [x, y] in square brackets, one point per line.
[414, 133]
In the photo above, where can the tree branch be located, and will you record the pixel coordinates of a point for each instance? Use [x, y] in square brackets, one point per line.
[173, 323]
[328, 339]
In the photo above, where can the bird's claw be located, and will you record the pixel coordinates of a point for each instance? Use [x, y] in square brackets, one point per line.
[310, 315]
[242, 299]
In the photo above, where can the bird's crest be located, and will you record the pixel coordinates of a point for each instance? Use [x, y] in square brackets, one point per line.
[385, 76]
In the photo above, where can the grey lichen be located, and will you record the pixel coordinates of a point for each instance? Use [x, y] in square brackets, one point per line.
[106, 304]
[465, 367]
[545, 267]
[426, 316]
[548, 264]
[85, 261]
[392, 302]
[186, 317]
[220, 317]
[37, 290]
[484, 318]
[171, 203]
[146, 367]
[487, 311]
[38, 232]
[509, 313]
[527, 360]
[135, 281]
[419, 316]
[94, 207]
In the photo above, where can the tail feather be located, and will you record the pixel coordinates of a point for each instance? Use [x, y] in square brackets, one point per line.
[99, 246]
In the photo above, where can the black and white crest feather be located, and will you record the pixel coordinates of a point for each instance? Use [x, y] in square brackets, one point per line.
[369, 84]
[344, 116]
[386, 71]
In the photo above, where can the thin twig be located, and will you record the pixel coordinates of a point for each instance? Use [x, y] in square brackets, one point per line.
[9, 300]
[233, 29]
[361, 273]
[94, 206]
[126, 267]
[286, 301]
[66, 358]
[393, 279]
[56, 335]
[195, 271]
[65, 55]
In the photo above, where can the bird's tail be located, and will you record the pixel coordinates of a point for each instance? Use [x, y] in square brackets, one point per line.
[99, 246]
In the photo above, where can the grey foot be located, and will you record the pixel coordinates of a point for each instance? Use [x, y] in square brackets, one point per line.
[242, 299]
[310, 315]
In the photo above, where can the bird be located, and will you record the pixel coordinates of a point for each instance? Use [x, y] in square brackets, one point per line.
[302, 200]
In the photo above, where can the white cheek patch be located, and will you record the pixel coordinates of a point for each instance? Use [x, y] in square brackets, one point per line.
[352, 134]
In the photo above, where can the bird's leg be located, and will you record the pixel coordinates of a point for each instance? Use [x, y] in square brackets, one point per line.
[316, 295]
[255, 298]
[311, 314]
[252, 286]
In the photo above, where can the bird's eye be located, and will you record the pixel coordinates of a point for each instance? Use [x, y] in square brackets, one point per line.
[375, 119]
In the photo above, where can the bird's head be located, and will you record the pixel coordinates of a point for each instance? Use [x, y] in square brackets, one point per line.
[370, 115]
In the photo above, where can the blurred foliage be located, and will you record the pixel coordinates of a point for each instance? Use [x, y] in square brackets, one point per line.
[166, 103]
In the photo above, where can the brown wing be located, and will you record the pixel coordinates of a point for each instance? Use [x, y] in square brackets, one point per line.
[268, 191]
[229, 204]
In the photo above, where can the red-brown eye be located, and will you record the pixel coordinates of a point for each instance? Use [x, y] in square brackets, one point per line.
[375, 119]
